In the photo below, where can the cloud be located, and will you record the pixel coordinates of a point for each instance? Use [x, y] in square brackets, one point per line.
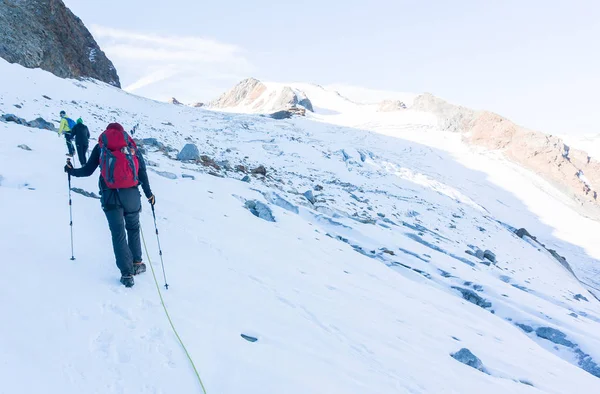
[151, 64]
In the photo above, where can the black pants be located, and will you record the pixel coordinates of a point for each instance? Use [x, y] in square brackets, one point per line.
[81, 153]
[124, 223]
[70, 147]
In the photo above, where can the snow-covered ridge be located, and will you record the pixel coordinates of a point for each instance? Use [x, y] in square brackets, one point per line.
[379, 259]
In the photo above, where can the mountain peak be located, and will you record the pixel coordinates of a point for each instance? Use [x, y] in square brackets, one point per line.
[46, 34]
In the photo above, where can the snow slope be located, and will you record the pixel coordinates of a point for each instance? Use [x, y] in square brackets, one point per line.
[358, 292]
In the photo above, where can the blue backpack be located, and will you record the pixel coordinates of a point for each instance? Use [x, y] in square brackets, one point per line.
[71, 123]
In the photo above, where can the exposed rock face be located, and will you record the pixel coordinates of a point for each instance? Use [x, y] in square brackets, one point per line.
[198, 105]
[391, 106]
[46, 34]
[571, 170]
[173, 100]
[251, 94]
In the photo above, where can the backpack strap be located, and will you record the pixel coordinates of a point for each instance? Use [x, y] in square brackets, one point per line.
[130, 156]
[105, 159]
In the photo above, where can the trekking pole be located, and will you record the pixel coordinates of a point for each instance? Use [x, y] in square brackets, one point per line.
[71, 214]
[162, 263]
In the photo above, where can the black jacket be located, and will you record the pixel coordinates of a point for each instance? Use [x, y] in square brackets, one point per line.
[81, 134]
[112, 198]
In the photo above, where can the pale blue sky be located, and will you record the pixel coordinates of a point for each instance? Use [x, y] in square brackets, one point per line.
[536, 62]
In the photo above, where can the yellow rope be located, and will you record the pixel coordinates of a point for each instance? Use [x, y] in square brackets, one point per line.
[162, 301]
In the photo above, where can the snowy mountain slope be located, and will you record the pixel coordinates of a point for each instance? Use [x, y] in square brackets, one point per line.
[362, 291]
[254, 96]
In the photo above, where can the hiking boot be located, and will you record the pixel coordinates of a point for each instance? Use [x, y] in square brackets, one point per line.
[139, 268]
[127, 280]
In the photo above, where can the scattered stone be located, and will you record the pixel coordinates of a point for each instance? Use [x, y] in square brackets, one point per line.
[208, 162]
[579, 297]
[261, 170]
[554, 335]
[587, 363]
[224, 164]
[524, 327]
[381, 215]
[574, 315]
[198, 105]
[523, 232]
[85, 193]
[13, 118]
[390, 252]
[41, 123]
[309, 196]
[445, 274]
[46, 97]
[24, 147]
[473, 297]
[18, 106]
[211, 172]
[260, 210]
[246, 179]
[151, 163]
[249, 338]
[188, 176]
[153, 142]
[318, 188]
[241, 168]
[479, 254]
[189, 152]
[526, 382]
[465, 356]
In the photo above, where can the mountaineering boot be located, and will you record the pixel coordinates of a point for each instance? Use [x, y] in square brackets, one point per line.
[139, 267]
[127, 280]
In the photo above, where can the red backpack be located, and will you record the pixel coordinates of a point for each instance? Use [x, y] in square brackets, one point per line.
[119, 164]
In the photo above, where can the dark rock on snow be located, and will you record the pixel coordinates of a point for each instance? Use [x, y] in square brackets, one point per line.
[473, 297]
[24, 147]
[554, 335]
[246, 178]
[188, 176]
[46, 34]
[14, 119]
[261, 170]
[249, 338]
[465, 356]
[189, 152]
[524, 327]
[40, 123]
[579, 297]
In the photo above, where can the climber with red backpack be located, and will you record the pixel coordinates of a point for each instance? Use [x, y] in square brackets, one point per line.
[122, 170]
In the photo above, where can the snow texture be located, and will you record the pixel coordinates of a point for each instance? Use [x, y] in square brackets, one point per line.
[361, 292]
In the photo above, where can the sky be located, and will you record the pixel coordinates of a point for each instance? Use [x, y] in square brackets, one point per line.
[535, 62]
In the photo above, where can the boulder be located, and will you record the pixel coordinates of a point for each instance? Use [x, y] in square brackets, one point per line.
[555, 336]
[246, 178]
[473, 297]
[489, 255]
[24, 147]
[189, 153]
[41, 123]
[14, 119]
[260, 170]
[466, 357]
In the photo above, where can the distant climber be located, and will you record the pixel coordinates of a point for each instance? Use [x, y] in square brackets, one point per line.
[66, 125]
[81, 134]
[122, 169]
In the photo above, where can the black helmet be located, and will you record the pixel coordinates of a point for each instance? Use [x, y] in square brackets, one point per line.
[62, 113]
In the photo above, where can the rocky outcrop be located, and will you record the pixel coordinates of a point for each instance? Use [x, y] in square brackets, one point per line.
[254, 96]
[198, 105]
[570, 170]
[173, 100]
[46, 34]
[391, 106]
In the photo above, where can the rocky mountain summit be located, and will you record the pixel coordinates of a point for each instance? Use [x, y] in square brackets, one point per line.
[46, 34]
[254, 95]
